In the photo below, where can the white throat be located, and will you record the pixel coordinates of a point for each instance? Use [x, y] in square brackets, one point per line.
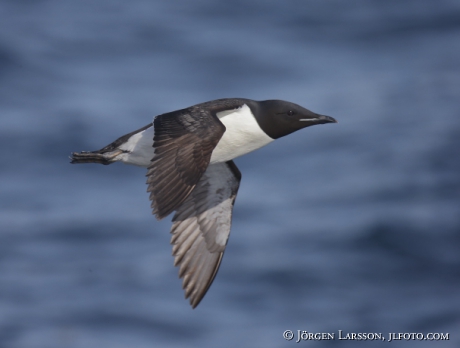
[242, 135]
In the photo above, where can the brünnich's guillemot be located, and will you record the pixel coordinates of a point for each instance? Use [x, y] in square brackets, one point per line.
[189, 156]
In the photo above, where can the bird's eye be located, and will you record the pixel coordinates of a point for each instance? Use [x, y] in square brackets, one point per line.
[290, 113]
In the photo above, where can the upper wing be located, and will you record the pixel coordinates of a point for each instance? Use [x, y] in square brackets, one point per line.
[201, 227]
[183, 142]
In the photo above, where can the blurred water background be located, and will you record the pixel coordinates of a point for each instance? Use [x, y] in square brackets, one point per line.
[353, 227]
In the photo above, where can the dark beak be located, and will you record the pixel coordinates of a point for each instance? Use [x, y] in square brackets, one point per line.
[319, 119]
[327, 119]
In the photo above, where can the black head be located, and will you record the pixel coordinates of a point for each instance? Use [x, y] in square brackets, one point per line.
[278, 118]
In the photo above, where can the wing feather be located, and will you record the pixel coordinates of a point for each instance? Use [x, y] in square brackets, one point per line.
[201, 227]
[183, 142]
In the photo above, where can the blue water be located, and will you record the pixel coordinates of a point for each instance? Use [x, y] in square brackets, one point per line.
[353, 226]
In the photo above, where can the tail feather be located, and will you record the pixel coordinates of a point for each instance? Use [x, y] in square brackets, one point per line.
[108, 154]
[94, 157]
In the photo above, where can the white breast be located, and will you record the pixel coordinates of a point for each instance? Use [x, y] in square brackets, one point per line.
[242, 135]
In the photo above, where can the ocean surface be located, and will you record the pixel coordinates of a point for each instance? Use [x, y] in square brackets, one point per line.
[352, 226]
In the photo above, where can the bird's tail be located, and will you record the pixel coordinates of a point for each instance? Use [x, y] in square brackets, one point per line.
[100, 156]
[108, 154]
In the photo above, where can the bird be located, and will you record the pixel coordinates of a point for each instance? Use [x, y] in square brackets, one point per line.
[189, 157]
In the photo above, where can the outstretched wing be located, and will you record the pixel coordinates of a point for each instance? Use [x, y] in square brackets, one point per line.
[183, 142]
[201, 227]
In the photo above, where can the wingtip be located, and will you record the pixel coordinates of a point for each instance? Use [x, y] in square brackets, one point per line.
[156, 211]
[158, 216]
[194, 300]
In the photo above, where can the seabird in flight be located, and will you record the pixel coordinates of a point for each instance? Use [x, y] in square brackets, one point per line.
[189, 156]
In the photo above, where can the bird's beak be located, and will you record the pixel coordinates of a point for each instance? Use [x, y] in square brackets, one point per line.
[319, 119]
[327, 119]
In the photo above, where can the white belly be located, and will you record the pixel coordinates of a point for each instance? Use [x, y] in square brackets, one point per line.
[243, 135]
[140, 147]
